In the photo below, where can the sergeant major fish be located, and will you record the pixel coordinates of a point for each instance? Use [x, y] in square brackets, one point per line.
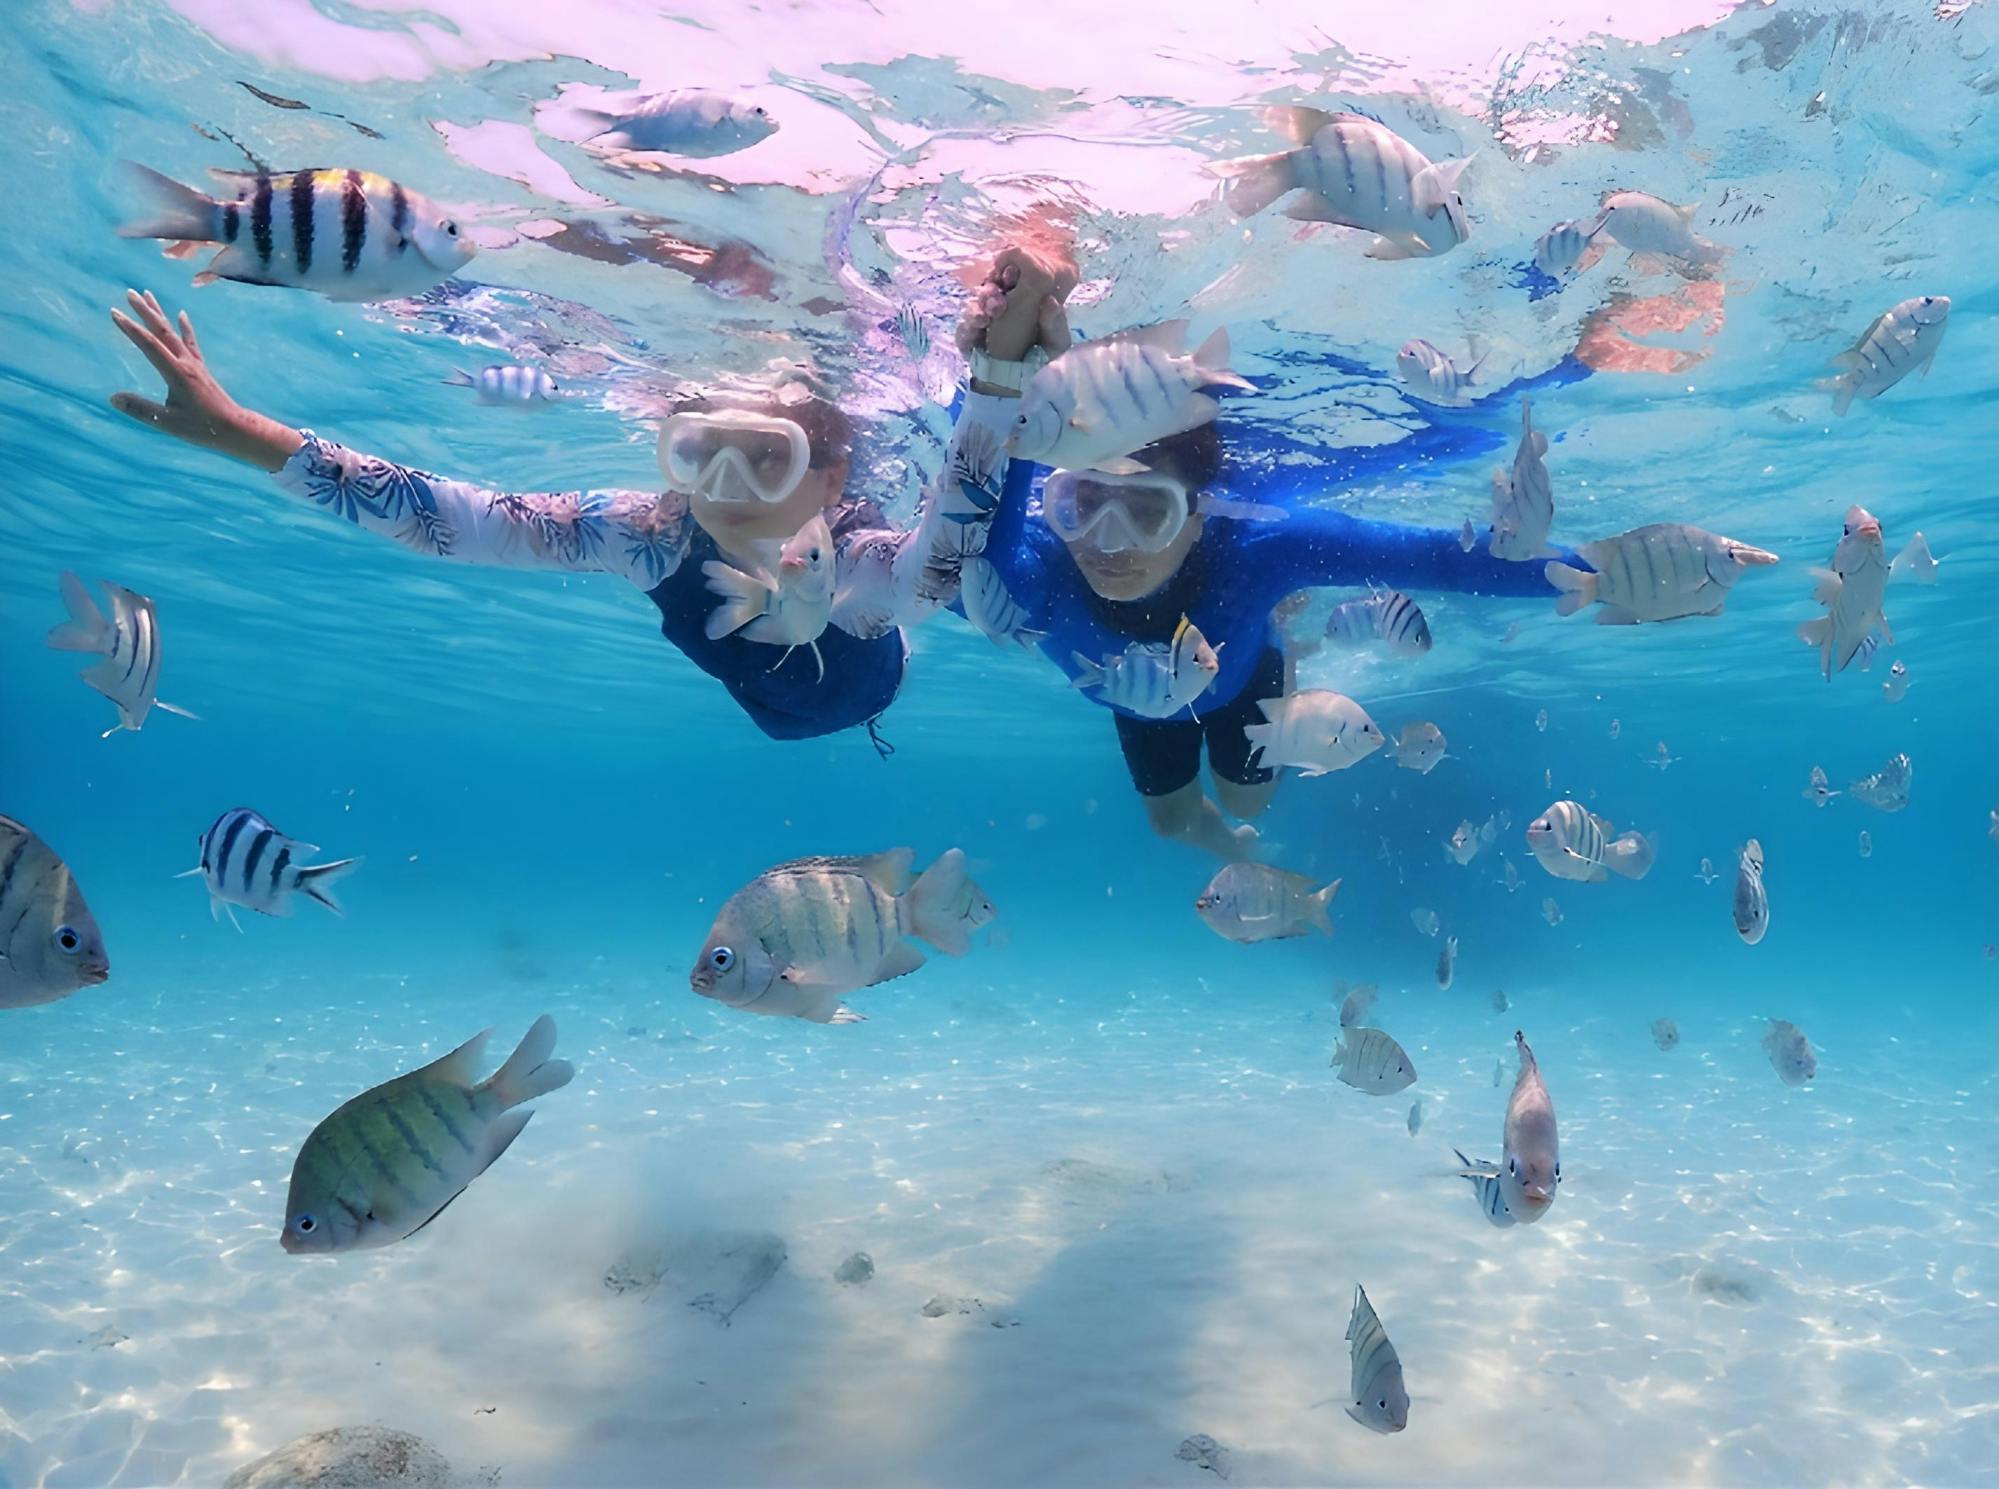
[1851, 591]
[1153, 681]
[1572, 842]
[508, 385]
[50, 944]
[1255, 902]
[799, 936]
[1567, 248]
[246, 861]
[1315, 730]
[1378, 1399]
[1433, 376]
[1523, 500]
[1387, 616]
[1752, 904]
[1664, 571]
[1902, 338]
[1485, 1183]
[1416, 1116]
[350, 235]
[390, 1161]
[792, 610]
[1370, 1060]
[129, 643]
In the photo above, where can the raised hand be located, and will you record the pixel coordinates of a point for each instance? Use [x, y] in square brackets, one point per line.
[196, 408]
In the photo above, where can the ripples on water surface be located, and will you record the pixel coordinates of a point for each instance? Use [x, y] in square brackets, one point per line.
[1115, 1132]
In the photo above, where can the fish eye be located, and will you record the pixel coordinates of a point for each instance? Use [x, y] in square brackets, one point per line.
[1382, 1403]
[760, 111]
[67, 939]
[451, 227]
[305, 1225]
[721, 959]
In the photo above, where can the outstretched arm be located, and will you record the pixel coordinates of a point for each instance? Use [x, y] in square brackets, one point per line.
[1318, 546]
[639, 536]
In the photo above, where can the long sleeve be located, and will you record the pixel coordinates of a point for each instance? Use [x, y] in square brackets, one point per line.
[1317, 546]
[639, 536]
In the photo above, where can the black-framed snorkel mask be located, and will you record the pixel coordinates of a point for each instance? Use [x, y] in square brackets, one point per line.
[1144, 511]
[733, 455]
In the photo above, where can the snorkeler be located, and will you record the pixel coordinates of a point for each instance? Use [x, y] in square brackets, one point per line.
[1103, 561]
[745, 474]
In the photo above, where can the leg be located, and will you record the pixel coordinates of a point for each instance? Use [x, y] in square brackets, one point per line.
[1245, 789]
[1244, 801]
[1164, 757]
[1187, 816]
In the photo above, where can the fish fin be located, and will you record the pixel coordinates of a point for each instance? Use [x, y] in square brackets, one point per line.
[1198, 409]
[86, 629]
[529, 1072]
[439, 1210]
[929, 902]
[204, 279]
[1310, 206]
[1887, 631]
[1826, 586]
[232, 916]
[1577, 588]
[1296, 122]
[819, 657]
[1322, 906]
[1632, 855]
[1816, 632]
[1431, 185]
[1928, 361]
[1615, 615]
[744, 598]
[1121, 465]
[1090, 675]
[1212, 357]
[844, 1015]
[1339, 1047]
[317, 881]
[186, 713]
[1387, 248]
[1598, 875]
[1842, 389]
[888, 870]
[459, 378]
[1256, 182]
[178, 212]
[499, 1137]
[188, 873]
[903, 958]
[461, 1066]
[1167, 336]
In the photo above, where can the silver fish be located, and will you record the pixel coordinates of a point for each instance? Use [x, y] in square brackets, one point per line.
[1499, 1001]
[1790, 1053]
[1370, 1060]
[1468, 536]
[1354, 1007]
[1866, 844]
[1902, 338]
[1255, 902]
[1498, 1075]
[1551, 912]
[1447, 963]
[1420, 747]
[991, 607]
[508, 385]
[1915, 561]
[1662, 758]
[1706, 872]
[1462, 846]
[1541, 721]
[1851, 591]
[1665, 1034]
[1511, 879]
[50, 944]
[1752, 904]
[1523, 500]
[1819, 792]
[790, 611]
[1315, 730]
[1387, 616]
[1887, 789]
[1378, 1400]
[1103, 399]
[1567, 248]
[1572, 842]
[1425, 920]
[129, 643]
[1644, 223]
[1484, 1179]
[694, 122]
[1433, 376]
[246, 861]
[1896, 688]
[1416, 1116]
[1150, 680]
[1660, 572]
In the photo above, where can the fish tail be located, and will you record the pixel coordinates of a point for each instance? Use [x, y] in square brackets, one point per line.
[1842, 389]
[178, 212]
[1260, 737]
[529, 1072]
[459, 378]
[1322, 907]
[86, 629]
[930, 899]
[1632, 855]
[1212, 357]
[744, 598]
[317, 881]
[1257, 181]
[1578, 589]
[1088, 673]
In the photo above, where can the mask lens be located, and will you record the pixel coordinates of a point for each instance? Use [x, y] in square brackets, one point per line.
[733, 456]
[1116, 512]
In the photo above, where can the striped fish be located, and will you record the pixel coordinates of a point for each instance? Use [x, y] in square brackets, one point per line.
[1153, 681]
[350, 235]
[1572, 842]
[1359, 173]
[49, 942]
[797, 937]
[1387, 616]
[1523, 500]
[1901, 339]
[1316, 730]
[1751, 906]
[1663, 571]
[991, 607]
[1432, 374]
[246, 861]
[129, 642]
[1851, 591]
[508, 385]
[1484, 1179]
[390, 1161]
[1370, 1060]
[1378, 1400]
[1250, 902]
[1567, 248]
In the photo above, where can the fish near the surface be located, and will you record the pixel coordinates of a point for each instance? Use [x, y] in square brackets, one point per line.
[1358, 173]
[1316, 730]
[350, 235]
[1150, 680]
[694, 122]
[1523, 499]
[1447, 963]
[1433, 376]
[1567, 248]
[246, 861]
[1254, 902]
[1790, 1053]
[1387, 616]
[1103, 399]
[1752, 903]
[1902, 338]
[1915, 561]
[388, 1162]
[790, 611]
[129, 643]
[1665, 1034]
[1378, 1399]
[50, 944]
[1887, 789]
[1819, 790]
[1851, 591]
[1419, 747]
[508, 386]
[1644, 223]
[1370, 1060]
[1572, 842]
[799, 936]
[1660, 572]
[1354, 1007]
[1484, 1179]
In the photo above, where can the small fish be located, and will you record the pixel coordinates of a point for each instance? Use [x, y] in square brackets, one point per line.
[1616, 728]
[1462, 846]
[1706, 872]
[1511, 878]
[1869, 645]
[1416, 1116]
[799, 936]
[991, 607]
[246, 861]
[1820, 791]
[1915, 561]
[1752, 904]
[1101, 400]
[1866, 844]
[1896, 688]
[1426, 921]
[1643, 223]
[1378, 1400]
[790, 611]
[1523, 500]
[350, 235]
[1665, 1034]
[1572, 842]
[1370, 1060]
[1387, 616]
[508, 386]
[1902, 338]
[390, 1161]
[1255, 902]
[49, 941]
[1550, 911]
[129, 642]
[694, 122]
[1447, 963]
[1567, 248]
[1419, 747]
[1664, 571]
[1153, 681]
[1316, 730]
[1790, 1053]
[1354, 1007]
[1359, 173]
[1468, 536]
[1541, 721]
[1433, 376]
[1851, 592]
[1499, 1001]
[1484, 1177]
[1888, 788]
[1662, 758]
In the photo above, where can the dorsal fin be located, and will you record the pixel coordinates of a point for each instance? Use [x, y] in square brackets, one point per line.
[461, 1066]
[1168, 336]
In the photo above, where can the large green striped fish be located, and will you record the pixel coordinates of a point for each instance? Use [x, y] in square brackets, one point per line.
[387, 1163]
[350, 235]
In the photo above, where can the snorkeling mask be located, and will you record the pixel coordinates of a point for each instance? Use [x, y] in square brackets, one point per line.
[1144, 511]
[733, 455]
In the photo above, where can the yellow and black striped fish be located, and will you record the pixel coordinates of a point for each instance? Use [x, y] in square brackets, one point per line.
[350, 235]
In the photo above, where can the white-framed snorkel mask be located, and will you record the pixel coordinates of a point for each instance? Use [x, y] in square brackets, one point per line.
[1144, 511]
[733, 455]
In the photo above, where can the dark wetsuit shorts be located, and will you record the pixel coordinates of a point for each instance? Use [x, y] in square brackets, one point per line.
[1165, 754]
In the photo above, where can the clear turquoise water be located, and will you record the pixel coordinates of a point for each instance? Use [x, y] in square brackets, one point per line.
[1114, 1129]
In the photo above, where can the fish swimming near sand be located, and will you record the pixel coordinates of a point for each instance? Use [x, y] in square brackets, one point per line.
[1370, 1060]
[1254, 902]
[50, 944]
[1378, 1399]
[246, 861]
[1790, 1053]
